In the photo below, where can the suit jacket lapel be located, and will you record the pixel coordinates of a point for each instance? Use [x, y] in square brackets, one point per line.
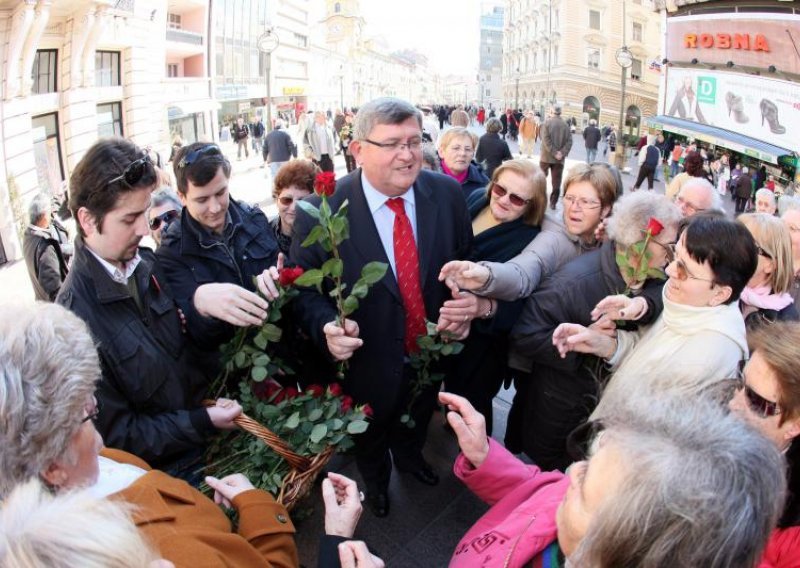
[427, 214]
[364, 235]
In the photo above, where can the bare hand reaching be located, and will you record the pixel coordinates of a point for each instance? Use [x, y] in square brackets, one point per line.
[464, 275]
[267, 279]
[574, 337]
[469, 426]
[342, 342]
[342, 505]
[227, 488]
[230, 303]
[355, 554]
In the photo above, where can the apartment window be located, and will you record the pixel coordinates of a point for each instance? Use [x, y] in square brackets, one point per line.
[594, 19]
[488, 92]
[337, 8]
[44, 71]
[555, 19]
[46, 151]
[301, 40]
[636, 70]
[637, 31]
[109, 120]
[555, 54]
[106, 69]
[174, 21]
[172, 70]
[593, 58]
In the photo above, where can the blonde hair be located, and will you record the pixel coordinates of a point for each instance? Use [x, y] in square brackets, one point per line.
[776, 342]
[456, 132]
[773, 237]
[534, 210]
[599, 176]
[68, 530]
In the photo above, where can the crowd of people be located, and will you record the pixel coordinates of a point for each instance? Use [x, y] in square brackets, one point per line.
[652, 341]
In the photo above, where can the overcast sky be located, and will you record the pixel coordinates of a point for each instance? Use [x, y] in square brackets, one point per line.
[447, 31]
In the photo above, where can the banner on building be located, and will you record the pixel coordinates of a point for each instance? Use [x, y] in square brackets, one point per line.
[765, 109]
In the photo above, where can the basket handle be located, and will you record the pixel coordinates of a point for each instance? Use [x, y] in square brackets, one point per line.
[270, 438]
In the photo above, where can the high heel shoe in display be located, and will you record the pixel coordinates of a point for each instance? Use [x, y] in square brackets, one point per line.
[736, 106]
[769, 112]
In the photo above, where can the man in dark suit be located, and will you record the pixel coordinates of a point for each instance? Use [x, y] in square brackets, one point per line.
[415, 221]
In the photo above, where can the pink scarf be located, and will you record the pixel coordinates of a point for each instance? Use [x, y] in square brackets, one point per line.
[762, 298]
[458, 177]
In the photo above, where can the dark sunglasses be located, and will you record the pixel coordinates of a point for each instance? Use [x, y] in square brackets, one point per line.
[288, 199]
[135, 171]
[199, 154]
[166, 218]
[515, 199]
[759, 405]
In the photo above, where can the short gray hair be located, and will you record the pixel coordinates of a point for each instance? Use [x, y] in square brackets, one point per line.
[768, 193]
[165, 195]
[430, 157]
[701, 487]
[385, 110]
[633, 211]
[71, 529]
[788, 202]
[713, 194]
[40, 206]
[48, 371]
[493, 125]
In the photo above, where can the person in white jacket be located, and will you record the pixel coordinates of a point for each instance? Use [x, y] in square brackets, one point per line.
[698, 339]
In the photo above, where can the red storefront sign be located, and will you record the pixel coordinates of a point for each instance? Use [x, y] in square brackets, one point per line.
[755, 42]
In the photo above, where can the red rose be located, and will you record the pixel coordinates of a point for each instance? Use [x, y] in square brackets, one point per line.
[654, 226]
[287, 276]
[347, 403]
[264, 390]
[325, 183]
[367, 410]
[291, 392]
[315, 390]
[335, 389]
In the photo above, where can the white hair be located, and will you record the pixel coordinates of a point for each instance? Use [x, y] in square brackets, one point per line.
[766, 192]
[39, 207]
[713, 194]
[633, 211]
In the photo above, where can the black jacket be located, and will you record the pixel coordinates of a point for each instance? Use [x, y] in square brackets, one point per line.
[591, 136]
[191, 256]
[278, 147]
[45, 261]
[150, 393]
[492, 151]
[475, 179]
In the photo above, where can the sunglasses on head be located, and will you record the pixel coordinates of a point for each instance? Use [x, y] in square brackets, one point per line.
[197, 155]
[135, 171]
[515, 199]
[759, 405]
[166, 218]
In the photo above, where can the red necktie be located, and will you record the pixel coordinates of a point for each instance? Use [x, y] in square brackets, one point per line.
[406, 262]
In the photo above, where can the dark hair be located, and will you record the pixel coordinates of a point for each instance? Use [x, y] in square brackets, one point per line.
[89, 185]
[300, 173]
[202, 170]
[726, 245]
[693, 164]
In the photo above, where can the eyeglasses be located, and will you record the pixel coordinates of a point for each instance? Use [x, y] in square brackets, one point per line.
[690, 207]
[515, 199]
[682, 271]
[199, 154]
[762, 252]
[582, 203]
[287, 200]
[166, 218]
[457, 149]
[135, 171]
[669, 249]
[397, 147]
[758, 405]
[93, 413]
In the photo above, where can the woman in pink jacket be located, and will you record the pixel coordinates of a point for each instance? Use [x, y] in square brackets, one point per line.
[669, 483]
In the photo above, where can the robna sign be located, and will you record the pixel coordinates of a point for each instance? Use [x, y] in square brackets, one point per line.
[748, 42]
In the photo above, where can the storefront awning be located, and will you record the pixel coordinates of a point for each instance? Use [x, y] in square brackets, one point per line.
[186, 108]
[758, 149]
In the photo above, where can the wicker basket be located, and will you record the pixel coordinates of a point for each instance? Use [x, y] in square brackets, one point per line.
[299, 481]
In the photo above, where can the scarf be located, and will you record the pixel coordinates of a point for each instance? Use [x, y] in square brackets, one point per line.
[460, 178]
[762, 298]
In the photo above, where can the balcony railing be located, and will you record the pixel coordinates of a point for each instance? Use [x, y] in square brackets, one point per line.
[185, 37]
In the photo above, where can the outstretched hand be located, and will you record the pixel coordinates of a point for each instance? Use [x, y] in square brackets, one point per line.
[464, 275]
[267, 279]
[574, 337]
[342, 505]
[469, 426]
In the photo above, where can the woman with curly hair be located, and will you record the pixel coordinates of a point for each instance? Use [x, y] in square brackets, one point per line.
[295, 180]
[692, 167]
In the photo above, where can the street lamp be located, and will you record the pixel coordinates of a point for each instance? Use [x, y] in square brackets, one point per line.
[624, 60]
[267, 43]
[516, 96]
[341, 87]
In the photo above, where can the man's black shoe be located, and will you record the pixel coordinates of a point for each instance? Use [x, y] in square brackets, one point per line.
[378, 502]
[426, 475]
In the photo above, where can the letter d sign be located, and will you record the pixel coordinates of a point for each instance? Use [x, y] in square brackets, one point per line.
[706, 90]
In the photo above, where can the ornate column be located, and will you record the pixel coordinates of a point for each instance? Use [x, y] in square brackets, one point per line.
[41, 18]
[20, 26]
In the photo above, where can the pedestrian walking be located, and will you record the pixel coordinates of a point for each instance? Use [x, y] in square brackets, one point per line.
[591, 138]
[240, 135]
[556, 144]
[649, 158]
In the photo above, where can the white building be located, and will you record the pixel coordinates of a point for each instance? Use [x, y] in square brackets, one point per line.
[490, 61]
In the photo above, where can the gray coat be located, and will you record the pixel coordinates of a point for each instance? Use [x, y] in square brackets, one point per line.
[45, 261]
[556, 136]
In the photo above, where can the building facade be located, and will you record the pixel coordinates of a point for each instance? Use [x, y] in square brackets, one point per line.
[490, 60]
[564, 51]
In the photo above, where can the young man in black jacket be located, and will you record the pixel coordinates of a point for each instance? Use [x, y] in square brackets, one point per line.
[150, 394]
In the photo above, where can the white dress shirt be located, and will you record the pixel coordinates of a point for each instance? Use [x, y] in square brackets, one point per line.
[384, 217]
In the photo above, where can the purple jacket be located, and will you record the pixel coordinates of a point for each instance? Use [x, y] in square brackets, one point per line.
[522, 520]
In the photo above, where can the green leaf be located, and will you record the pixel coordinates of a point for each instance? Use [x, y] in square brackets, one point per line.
[331, 411]
[324, 211]
[240, 359]
[350, 304]
[319, 432]
[261, 341]
[447, 349]
[358, 427]
[261, 360]
[360, 289]
[333, 267]
[373, 271]
[311, 277]
[622, 260]
[430, 327]
[314, 235]
[457, 347]
[315, 415]
[272, 332]
[425, 342]
[336, 424]
[404, 418]
[258, 374]
[293, 421]
[308, 208]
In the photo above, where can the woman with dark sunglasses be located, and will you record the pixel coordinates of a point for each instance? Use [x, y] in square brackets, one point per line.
[768, 398]
[505, 216]
[766, 296]
[293, 182]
